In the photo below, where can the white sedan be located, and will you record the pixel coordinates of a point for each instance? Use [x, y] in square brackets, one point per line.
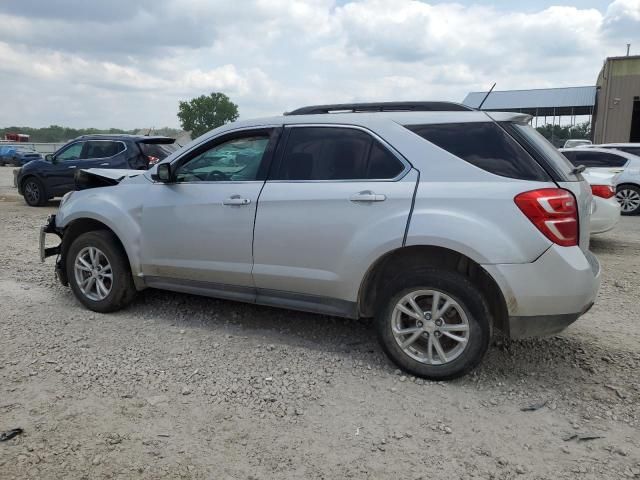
[612, 161]
[606, 209]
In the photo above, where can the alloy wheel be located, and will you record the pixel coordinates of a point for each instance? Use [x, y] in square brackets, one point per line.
[430, 326]
[93, 273]
[32, 192]
[628, 199]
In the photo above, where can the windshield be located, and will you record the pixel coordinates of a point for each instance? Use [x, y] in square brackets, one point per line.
[544, 148]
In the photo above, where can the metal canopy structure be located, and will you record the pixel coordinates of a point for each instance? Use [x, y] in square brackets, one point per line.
[552, 102]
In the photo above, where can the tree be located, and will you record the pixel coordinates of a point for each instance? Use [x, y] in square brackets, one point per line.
[557, 134]
[204, 113]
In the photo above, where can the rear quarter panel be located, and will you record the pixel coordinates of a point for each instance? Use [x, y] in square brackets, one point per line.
[477, 219]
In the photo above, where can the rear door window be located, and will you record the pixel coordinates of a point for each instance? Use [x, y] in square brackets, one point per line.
[102, 149]
[336, 153]
[485, 145]
[631, 150]
[598, 159]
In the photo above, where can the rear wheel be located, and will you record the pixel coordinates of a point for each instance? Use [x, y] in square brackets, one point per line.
[434, 324]
[99, 272]
[628, 197]
[33, 192]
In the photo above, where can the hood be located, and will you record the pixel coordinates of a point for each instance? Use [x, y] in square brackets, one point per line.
[103, 177]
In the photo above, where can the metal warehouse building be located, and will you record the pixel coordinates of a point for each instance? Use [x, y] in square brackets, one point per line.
[548, 103]
[617, 113]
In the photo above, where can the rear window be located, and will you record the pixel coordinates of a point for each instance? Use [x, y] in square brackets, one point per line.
[485, 145]
[157, 150]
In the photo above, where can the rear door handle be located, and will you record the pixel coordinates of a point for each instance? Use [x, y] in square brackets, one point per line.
[72, 166]
[236, 200]
[367, 196]
[105, 164]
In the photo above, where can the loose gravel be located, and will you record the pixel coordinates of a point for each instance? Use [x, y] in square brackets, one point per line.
[179, 386]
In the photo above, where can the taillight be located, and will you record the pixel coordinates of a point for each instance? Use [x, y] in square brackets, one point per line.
[604, 191]
[152, 160]
[554, 212]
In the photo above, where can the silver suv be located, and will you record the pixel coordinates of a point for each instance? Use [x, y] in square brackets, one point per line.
[440, 222]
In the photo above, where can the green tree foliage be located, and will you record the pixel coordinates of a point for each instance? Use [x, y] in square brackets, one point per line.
[58, 134]
[206, 112]
[557, 134]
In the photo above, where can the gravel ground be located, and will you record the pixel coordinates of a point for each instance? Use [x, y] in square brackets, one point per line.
[179, 386]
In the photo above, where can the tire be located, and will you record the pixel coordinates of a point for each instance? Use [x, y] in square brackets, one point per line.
[628, 197]
[120, 290]
[34, 192]
[468, 311]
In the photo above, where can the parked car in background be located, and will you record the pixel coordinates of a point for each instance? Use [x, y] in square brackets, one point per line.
[442, 222]
[576, 143]
[17, 155]
[54, 176]
[614, 161]
[633, 148]
[606, 209]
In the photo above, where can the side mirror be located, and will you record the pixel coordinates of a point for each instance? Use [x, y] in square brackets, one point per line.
[49, 157]
[163, 173]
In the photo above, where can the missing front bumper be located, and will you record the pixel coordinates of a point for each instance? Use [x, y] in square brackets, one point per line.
[49, 227]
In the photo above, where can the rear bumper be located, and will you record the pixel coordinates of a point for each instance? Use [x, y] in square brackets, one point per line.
[605, 216]
[542, 325]
[546, 296]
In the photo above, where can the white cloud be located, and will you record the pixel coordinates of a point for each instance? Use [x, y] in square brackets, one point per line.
[128, 65]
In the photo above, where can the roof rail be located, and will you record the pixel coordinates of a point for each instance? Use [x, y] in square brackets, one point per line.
[382, 107]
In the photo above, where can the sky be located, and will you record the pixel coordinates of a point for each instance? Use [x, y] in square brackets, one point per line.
[127, 63]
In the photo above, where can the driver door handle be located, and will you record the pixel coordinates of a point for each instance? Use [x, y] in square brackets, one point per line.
[236, 200]
[367, 196]
[72, 166]
[105, 164]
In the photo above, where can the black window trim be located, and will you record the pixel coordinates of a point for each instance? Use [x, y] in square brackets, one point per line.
[277, 164]
[274, 132]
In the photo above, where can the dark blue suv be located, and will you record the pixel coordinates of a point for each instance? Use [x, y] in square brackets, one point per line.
[40, 180]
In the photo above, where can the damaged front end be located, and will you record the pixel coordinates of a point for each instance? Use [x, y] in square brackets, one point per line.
[102, 177]
[46, 252]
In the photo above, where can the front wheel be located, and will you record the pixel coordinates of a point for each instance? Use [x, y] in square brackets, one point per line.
[33, 192]
[434, 324]
[99, 272]
[628, 197]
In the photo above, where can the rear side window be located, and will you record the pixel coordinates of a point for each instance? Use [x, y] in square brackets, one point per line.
[157, 150]
[336, 153]
[102, 149]
[631, 150]
[596, 159]
[485, 145]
